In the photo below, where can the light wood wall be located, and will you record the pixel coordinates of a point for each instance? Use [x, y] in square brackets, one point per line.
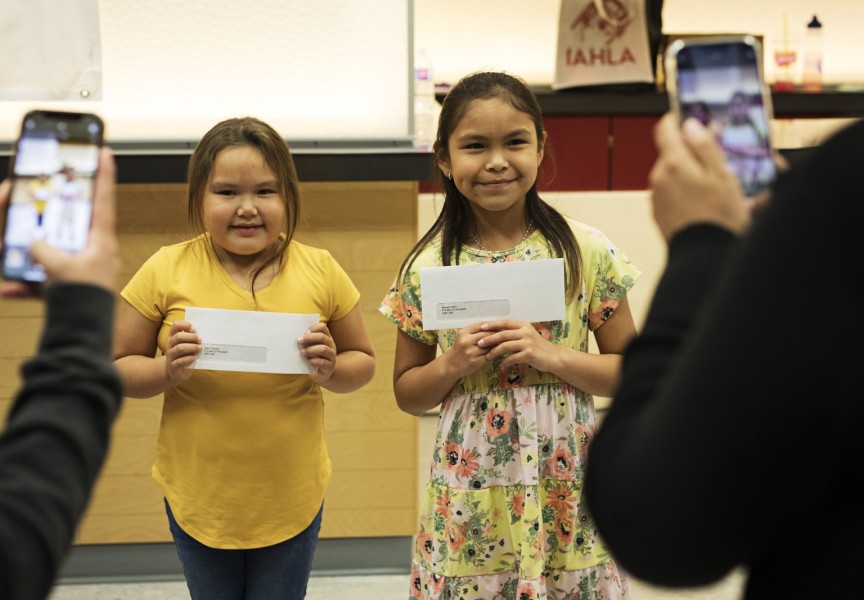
[368, 227]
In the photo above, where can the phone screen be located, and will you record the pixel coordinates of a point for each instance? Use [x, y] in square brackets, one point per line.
[721, 85]
[52, 190]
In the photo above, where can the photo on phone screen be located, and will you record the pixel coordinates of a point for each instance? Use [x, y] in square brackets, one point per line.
[720, 83]
[52, 188]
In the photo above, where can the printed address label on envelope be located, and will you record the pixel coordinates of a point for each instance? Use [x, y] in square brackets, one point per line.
[245, 340]
[460, 295]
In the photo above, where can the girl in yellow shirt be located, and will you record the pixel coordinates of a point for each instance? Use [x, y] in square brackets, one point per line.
[241, 456]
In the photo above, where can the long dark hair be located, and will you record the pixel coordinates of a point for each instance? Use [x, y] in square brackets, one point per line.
[246, 131]
[456, 219]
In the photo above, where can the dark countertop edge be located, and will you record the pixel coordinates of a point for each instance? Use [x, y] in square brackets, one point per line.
[153, 166]
[165, 162]
[831, 102]
[171, 168]
[335, 166]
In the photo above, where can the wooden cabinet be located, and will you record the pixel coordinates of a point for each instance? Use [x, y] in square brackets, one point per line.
[598, 153]
[604, 140]
[632, 152]
[578, 157]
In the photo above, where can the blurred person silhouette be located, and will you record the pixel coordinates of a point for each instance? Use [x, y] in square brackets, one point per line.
[734, 437]
[71, 208]
[700, 111]
[39, 189]
[57, 432]
[745, 141]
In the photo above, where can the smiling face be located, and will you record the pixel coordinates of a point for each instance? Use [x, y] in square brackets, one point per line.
[242, 207]
[493, 155]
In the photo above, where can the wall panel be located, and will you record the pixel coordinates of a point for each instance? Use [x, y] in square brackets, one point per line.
[368, 227]
[170, 70]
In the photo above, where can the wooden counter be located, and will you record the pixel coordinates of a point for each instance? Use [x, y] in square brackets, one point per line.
[368, 227]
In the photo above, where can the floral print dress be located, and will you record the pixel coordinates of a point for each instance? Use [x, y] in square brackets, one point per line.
[502, 516]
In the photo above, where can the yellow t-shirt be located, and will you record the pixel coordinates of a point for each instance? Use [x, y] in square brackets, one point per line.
[241, 457]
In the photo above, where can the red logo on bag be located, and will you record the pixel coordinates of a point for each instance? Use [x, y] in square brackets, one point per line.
[612, 23]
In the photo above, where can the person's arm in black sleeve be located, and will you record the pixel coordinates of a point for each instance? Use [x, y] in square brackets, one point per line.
[696, 256]
[58, 427]
[712, 459]
[56, 438]
[614, 492]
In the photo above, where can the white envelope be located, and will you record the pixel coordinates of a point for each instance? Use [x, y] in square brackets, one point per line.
[245, 340]
[460, 295]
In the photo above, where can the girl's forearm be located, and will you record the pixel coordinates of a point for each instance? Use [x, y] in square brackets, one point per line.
[595, 374]
[422, 388]
[354, 369]
[143, 376]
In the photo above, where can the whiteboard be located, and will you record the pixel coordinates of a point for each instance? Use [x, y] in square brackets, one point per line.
[319, 72]
[56, 50]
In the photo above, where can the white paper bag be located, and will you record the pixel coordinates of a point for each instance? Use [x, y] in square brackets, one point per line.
[603, 42]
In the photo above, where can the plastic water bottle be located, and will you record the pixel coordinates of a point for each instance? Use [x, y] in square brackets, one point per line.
[426, 108]
[811, 79]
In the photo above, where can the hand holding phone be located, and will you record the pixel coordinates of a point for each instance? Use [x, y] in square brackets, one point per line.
[99, 262]
[691, 183]
[53, 175]
[719, 82]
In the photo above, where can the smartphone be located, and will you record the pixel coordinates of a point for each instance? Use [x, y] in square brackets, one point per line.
[719, 80]
[53, 173]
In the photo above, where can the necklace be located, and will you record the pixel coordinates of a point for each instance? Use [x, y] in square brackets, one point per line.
[524, 237]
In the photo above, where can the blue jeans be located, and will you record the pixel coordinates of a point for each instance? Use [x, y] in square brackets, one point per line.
[278, 572]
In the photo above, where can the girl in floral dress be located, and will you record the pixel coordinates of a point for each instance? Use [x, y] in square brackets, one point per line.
[502, 515]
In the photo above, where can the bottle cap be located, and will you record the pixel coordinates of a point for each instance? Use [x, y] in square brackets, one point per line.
[814, 23]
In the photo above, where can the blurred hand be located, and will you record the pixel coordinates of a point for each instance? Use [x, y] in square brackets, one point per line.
[98, 263]
[690, 182]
